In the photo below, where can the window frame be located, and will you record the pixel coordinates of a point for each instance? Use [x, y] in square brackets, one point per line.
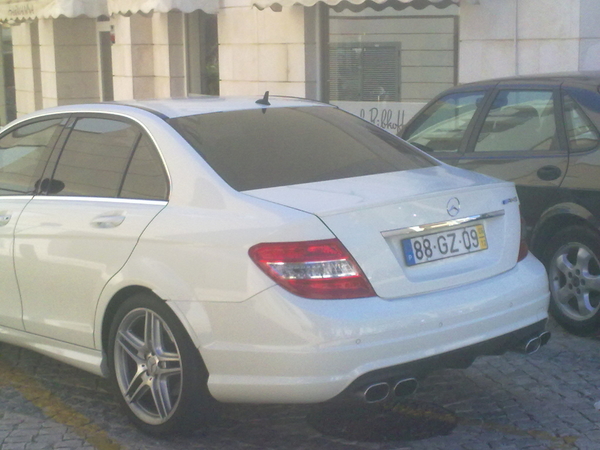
[50, 147]
[565, 93]
[558, 149]
[362, 76]
[453, 157]
[54, 159]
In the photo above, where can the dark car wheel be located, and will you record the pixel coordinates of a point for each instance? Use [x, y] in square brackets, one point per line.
[157, 371]
[572, 259]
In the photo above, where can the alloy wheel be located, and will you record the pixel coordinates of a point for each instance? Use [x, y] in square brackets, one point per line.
[575, 281]
[148, 366]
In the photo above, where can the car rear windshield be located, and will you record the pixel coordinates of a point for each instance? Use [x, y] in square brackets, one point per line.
[262, 148]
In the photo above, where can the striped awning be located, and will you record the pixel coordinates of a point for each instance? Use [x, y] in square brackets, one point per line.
[14, 11]
[359, 5]
[127, 7]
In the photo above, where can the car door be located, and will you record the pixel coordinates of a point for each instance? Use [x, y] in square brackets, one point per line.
[518, 138]
[24, 152]
[442, 128]
[103, 186]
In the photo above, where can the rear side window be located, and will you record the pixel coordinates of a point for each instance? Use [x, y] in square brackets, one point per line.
[145, 178]
[519, 120]
[442, 126]
[581, 133]
[256, 149]
[94, 158]
[109, 158]
[23, 155]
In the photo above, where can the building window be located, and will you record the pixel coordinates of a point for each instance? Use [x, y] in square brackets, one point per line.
[364, 72]
[202, 53]
[385, 65]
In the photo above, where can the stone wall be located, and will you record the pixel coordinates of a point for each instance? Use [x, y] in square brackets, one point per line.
[261, 50]
[520, 37]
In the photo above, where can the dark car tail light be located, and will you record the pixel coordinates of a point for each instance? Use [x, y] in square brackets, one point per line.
[313, 269]
[523, 249]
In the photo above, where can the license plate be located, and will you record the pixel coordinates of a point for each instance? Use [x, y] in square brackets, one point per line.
[445, 244]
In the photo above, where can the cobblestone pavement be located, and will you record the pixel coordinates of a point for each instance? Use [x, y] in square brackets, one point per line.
[541, 401]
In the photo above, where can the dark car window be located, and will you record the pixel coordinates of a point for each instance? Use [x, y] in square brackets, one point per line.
[23, 155]
[256, 149]
[581, 133]
[145, 178]
[95, 157]
[441, 127]
[519, 120]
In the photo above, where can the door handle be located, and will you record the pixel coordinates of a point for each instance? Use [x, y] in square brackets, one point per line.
[5, 218]
[108, 221]
[549, 173]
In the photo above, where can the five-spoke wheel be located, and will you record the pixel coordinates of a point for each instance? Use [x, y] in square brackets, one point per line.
[156, 368]
[574, 273]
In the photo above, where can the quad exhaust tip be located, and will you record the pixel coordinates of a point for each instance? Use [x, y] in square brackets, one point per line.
[379, 392]
[545, 337]
[406, 387]
[533, 343]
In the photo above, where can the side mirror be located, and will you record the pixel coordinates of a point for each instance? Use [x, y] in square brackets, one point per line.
[48, 186]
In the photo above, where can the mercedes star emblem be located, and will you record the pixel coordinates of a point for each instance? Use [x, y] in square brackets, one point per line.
[453, 207]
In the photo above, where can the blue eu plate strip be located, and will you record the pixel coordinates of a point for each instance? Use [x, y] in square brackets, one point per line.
[408, 252]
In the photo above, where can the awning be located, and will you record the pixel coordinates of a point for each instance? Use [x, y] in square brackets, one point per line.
[128, 7]
[359, 5]
[13, 11]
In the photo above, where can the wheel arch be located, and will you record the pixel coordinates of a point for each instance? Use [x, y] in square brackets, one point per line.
[559, 217]
[113, 305]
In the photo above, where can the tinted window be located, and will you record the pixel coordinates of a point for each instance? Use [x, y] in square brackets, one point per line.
[283, 146]
[442, 126]
[582, 135]
[519, 121]
[146, 178]
[95, 156]
[23, 155]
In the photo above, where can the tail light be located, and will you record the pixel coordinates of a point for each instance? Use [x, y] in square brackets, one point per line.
[523, 249]
[313, 269]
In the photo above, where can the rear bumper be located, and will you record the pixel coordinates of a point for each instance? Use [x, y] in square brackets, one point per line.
[278, 348]
[456, 359]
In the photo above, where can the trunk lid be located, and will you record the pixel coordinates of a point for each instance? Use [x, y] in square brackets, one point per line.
[383, 219]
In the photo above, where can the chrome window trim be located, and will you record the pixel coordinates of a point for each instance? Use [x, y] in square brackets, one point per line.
[440, 225]
[55, 198]
[21, 196]
[105, 113]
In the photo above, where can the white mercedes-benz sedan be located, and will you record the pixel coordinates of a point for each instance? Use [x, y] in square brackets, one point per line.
[275, 251]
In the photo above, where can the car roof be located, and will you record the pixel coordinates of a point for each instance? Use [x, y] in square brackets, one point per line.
[178, 107]
[590, 79]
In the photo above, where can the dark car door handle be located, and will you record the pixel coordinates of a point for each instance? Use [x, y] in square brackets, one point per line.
[548, 173]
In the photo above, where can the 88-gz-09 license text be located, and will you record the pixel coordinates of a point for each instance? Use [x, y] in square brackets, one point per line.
[445, 244]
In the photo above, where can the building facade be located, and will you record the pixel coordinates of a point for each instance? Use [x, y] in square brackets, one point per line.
[381, 59]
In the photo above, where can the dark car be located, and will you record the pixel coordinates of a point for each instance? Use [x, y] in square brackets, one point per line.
[540, 132]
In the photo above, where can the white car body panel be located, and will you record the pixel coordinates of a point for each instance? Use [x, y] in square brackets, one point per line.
[276, 347]
[90, 360]
[74, 245]
[11, 311]
[359, 210]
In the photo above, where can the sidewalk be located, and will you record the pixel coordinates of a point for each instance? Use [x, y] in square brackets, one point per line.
[542, 401]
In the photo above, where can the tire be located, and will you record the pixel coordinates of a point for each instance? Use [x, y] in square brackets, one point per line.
[157, 372]
[572, 260]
